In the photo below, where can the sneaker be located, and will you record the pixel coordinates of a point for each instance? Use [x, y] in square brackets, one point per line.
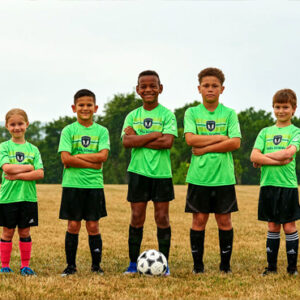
[69, 270]
[269, 271]
[131, 268]
[26, 271]
[6, 270]
[97, 269]
[198, 270]
[168, 273]
[225, 269]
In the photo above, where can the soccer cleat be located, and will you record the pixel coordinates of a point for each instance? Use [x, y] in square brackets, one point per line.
[6, 270]
[69, 270]
[198, 270]
[292, 271]
[97, 269]
[269, 271]
[225, 269]
[168, 273]
[131, 268]
[26, 271]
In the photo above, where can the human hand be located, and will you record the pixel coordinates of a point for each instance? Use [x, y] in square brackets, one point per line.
[198, 151]
[255, 165]
[97, 166]
[11, 177]
[129, 131]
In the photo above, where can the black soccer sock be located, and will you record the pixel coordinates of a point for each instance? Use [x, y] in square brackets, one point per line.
[273, 242]
[225, 242]
[71, 244]
[164, 240]
[292, 241]
[95, 243]
[134, 242]
[197, 246]
[25, 240]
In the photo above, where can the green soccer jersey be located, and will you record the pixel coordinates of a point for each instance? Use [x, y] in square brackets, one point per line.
[211, 169]
[78, 139]
[272, 139]
[19, 154]
[150, 162]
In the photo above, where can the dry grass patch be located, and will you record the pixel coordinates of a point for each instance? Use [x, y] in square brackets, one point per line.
[248, 259]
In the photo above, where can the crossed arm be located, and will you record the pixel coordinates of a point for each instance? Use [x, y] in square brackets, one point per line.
[153, 140]
[22, 172]
[278, 158]
[203, 144]
[90, 160]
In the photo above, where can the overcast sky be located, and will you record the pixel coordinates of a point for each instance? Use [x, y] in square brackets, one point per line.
[51, 49]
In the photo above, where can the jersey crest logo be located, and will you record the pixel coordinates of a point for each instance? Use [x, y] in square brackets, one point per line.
[210, 125]
[20, 156]
[277, 139]
[148, 123]
[85, 141]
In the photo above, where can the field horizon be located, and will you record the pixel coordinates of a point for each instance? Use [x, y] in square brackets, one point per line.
[248, 258]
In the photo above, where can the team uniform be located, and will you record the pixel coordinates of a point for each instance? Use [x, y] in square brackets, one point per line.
[83, 196]
[18, 198]
[278, 199]
[149, 171]
[211, 176]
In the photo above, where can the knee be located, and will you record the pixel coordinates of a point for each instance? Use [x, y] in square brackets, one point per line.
[24, 232]
[224, 222]
[199, 222]
[162, 219]
[8, 234]
[74, 227]
[289, 227]
[137, 219]
[92, 227]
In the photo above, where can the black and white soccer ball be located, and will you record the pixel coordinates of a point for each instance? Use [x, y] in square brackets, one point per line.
[152, 262]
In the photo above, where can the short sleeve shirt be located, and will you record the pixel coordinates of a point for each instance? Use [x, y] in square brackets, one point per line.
[272, 139]
[151, 162]
[78, 139]
[212, 169]
[21, 154]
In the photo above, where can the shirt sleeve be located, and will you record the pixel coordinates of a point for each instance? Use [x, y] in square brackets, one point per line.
[65, 143]
[260, 141]
[128, 122]
[295, 141]
[189, 122]
[170, 125]
[233, 126]
[37, 162]
[4, 159]
[104, 142]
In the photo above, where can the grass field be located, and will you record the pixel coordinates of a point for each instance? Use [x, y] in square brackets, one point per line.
[248, 260]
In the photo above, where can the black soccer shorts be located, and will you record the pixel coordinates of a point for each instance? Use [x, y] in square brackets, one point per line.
[143, 189]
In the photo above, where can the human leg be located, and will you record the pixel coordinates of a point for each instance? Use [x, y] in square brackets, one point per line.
[6, 248]
[292, 242]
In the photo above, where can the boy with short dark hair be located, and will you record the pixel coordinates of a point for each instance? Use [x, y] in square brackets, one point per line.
[274, 150]
[84, 147]
[213, 131]
[149, 130]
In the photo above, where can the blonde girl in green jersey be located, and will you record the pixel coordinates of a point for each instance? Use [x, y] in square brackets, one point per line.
[22, 166]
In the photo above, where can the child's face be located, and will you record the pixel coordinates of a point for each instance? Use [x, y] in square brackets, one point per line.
[210, 88]
[283, 112]
[85, 108]
[149, 88]
[16, 125]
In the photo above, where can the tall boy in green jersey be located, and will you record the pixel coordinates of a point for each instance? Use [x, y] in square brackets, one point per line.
[149, 130]
[274, 150]
[84, 147]
[213, 131]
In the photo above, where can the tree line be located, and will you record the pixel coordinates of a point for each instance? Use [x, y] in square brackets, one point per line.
[46, 138]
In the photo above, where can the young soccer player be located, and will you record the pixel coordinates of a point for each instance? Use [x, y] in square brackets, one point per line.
[22, 166]
[149, 130]
[84, 147]
[274, 150]
[213, 131]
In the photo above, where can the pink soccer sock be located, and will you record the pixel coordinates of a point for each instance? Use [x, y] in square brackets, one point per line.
[25, 251]
[5, 248]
